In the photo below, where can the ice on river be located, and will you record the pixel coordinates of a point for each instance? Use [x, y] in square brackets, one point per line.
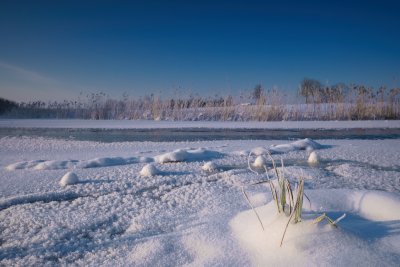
[191, 210]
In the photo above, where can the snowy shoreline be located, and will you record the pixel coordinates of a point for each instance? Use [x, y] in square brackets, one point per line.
[144, 124]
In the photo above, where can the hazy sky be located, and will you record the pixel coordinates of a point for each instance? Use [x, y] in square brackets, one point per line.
[56, 49]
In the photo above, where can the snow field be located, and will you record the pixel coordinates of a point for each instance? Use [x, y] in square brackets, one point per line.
[186, 215]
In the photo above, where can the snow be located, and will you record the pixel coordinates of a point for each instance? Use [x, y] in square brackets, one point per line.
[187, 155]
[69, 178]
[209, 166]
[260, 162]
[305, 144]
[149, 170]
[148, 124]
[193, 213]
[313, 158]
[357, 240]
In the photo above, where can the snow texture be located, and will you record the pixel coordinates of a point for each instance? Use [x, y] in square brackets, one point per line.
[186, 216]
[209, 166]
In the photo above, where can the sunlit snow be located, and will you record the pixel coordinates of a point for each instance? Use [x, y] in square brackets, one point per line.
[187, 206]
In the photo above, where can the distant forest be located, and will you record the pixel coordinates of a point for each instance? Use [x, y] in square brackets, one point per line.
[319, 102]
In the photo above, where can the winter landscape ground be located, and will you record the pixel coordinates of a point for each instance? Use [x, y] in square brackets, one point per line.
[88, 203]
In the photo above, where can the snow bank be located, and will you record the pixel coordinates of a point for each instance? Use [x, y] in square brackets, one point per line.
[180, 155]
[297, 145]
[304, 144]
[69, 178]
[359, 238]
[70, 164]
[24, 165]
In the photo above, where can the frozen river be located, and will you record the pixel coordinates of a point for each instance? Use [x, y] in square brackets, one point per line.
[199, 134]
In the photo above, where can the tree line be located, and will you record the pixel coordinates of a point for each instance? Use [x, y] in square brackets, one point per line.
[320, 102]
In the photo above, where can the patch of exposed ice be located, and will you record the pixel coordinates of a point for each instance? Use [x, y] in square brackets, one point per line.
[24, 165]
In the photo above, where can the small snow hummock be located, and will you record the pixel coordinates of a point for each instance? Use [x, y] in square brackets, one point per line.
[209, 166]
[187, 155]
[313, 158]
[260, 162]
[149, 170]
[69, 178]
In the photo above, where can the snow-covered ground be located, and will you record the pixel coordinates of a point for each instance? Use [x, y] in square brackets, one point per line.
[150, 124]
[181, 203]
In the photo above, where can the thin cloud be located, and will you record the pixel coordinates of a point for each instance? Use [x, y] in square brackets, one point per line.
[26, 74]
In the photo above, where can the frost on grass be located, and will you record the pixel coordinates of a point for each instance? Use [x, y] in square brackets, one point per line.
[69, 178]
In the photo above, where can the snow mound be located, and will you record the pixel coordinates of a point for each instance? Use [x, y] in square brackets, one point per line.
[69, 178]
[260, 162]
[313, 158]
[378, 206]
[209, 166]
[23, 165]
[180, 155]
[369, 233]
[149, 170]
[304, 144]
[297, 145]
[71, 164]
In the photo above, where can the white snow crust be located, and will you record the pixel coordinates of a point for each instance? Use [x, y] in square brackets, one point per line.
[186, 216]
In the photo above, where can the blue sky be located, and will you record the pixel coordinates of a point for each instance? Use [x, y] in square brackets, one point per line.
[56, 49]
